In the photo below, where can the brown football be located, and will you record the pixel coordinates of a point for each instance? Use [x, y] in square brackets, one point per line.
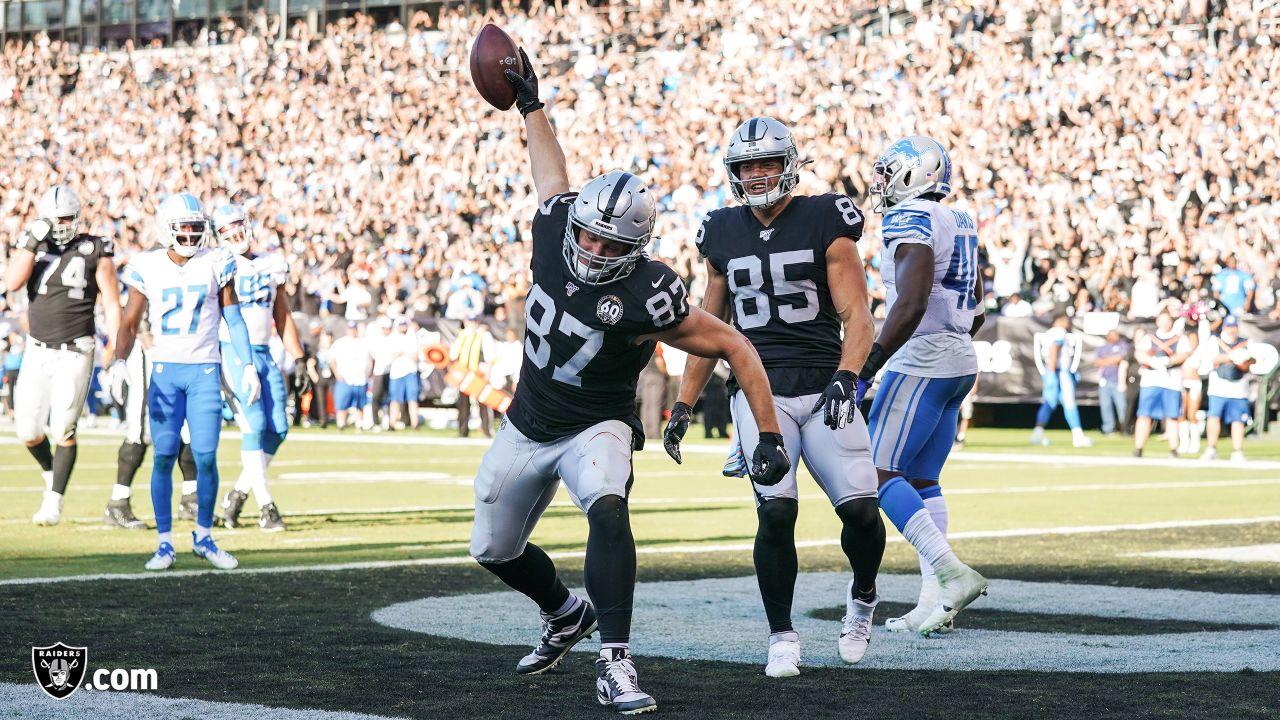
[492, 54]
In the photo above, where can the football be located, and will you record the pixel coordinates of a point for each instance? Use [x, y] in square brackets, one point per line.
[492, 54]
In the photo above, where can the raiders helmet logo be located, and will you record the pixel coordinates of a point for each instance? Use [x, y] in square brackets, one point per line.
[59, 668]
[609, 309]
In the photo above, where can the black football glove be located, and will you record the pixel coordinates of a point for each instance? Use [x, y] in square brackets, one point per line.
[769, 463]
[843, 388]
[677, 426]
[526, 87]
[301, 381]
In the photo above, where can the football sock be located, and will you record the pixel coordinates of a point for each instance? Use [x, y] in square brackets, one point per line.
[43, 454]
[188, 464]
[786, 635]
[903, 505]
[206, 487]
[775, 560]
[1073, 416]
[189, 487]
[609, 571]
[64, 459]
[568, 606]
[900, 501]
[862, 539]
[202, 532]
[166, 537]
[47, 477]
[121, 492]
[937, 507]
[250, 468]
[162, 491]
[1043, 414]
[533, 575]
[128, 460]
[260, 491]
[608, 647]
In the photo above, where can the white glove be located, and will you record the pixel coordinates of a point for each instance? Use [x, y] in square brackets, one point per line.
[250, 386]
[37, 232]
[117, 378]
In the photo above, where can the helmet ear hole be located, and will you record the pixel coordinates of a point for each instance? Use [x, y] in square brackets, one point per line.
[906, 179]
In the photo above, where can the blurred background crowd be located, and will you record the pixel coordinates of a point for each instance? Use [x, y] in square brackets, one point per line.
[1119, 156]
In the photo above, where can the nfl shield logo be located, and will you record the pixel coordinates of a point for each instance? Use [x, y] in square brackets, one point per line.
[59, 668]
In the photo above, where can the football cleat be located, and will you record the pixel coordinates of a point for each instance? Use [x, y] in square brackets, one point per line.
[188, 507]
[1082, 442]
[855, 630]
[232, 505]
[50, 512]
[119, 513]
[618, 686]
[269, 519]
[164, 558]
[956, 590]
[911, 622]
[216, 556]
[1038, 438]
[784, 659]
[1238, 458]
[1210, 454]
[559, 635]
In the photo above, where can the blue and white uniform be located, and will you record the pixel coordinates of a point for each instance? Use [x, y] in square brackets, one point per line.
[1229, 385]
[1059, 387]
[913, 418]
[264, 422]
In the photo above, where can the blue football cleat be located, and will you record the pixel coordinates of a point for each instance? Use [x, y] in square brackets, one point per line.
[163, 559]
[216, 556]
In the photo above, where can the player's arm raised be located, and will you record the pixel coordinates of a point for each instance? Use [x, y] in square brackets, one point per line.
[848, 285]
[23, 257]
[706, 336]
[697, 369]
[546, 158]
[913, 263]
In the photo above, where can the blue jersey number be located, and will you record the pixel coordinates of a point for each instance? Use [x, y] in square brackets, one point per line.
[963, 271]
[175, 300]
[254, 290]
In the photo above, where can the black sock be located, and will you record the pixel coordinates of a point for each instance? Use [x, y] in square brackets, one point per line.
[128, 460]
[534, 575]
[776, 562]
[64, 459]
[187, 462]
[43, 454]
[610, 570]
[862, 539]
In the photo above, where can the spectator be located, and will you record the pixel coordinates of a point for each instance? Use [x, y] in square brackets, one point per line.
[1229, 390]
[1234, 287]
[350, 361]
[1016, 307]
[473, 350]
[1111, 358]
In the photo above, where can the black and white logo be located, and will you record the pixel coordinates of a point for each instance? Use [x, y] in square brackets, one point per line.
[570, 289]
[86, 247]
[766, 234]
[59, 668]
[609, 309]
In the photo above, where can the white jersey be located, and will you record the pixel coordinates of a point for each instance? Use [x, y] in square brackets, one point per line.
[941, 346]
[405, 360]
[1229, 381]
[1162, 345]
[1068, 345]
[382, 348]
[182, 302]
[349, 358]
[257, 280]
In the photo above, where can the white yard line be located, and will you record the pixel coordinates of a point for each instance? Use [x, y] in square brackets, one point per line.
[664, 550]
[1244, 553]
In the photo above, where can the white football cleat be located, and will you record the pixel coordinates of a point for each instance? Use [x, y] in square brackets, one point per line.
[912, 621]
[163, 559]
[1238, 458]
[1038, 438]
[784, 659]
[855, 629]
[50, 512]
[210, 551]
[956, 590]
[1081, 441]
[1209, 454]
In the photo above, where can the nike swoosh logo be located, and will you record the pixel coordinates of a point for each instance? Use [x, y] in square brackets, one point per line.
[656, 283]
[840, 385]
[208, 370]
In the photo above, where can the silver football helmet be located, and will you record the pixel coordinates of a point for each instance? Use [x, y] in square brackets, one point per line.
[616, 206]
[61, 208]
[762, 138]
[911, 167]
[231, 228]
[181, 223]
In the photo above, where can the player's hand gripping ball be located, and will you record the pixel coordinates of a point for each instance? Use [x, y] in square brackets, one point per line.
[492, 55]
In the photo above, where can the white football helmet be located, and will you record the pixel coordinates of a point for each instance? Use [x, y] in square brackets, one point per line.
[762, 138]
[231, 228]
[182, 225]
[61, 208]
[911, 167]
[619, 207]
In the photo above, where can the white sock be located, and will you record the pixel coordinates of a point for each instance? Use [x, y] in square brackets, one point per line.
[166, 537]
[202, 533]
[251, 467]
[267, 458]
[260, 491]
[121, 492]
[925, 537]
[788, 635]
[188, 487]
[937, 507]
[47, 476]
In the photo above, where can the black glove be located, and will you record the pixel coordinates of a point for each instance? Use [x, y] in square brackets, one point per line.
[301, 381]
[677, 426]
[526, 87]
[842, 389]
[769, 463]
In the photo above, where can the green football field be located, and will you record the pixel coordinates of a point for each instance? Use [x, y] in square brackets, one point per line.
[1090, 553]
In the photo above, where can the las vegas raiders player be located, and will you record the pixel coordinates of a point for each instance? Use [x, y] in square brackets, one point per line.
[64, 272]
[596, 309]
[786, 268]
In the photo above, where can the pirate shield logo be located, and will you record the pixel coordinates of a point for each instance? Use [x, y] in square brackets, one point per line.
[59, 668]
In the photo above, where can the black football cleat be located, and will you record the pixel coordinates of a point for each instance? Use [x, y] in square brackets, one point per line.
[232, 505]
[119, 513]
[188, 507]
[559, 635]
[269, 519]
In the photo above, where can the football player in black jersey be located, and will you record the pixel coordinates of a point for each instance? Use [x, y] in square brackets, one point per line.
[786, 269]
[596, 309]
[64, 272]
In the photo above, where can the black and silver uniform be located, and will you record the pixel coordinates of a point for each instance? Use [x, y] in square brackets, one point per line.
[777, 278]
[580, 364]
[64, 287]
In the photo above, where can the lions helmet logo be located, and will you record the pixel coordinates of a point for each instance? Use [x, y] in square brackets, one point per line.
[59, 668]
[609, 309]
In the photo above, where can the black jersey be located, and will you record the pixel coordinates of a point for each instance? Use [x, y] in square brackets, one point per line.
[777, 278]
[580, 364]
[64, 287]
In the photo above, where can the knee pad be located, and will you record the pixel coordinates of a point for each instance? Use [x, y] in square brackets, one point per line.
[859, 511]
[205, 461]
[778, 514]
[607, 510]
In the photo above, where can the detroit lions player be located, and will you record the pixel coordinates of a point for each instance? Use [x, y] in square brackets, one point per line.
[1058, 357]
[929, 263]
[183, 288]
[596, 308]
[64, 271]
[786, 269]
[263, 421]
